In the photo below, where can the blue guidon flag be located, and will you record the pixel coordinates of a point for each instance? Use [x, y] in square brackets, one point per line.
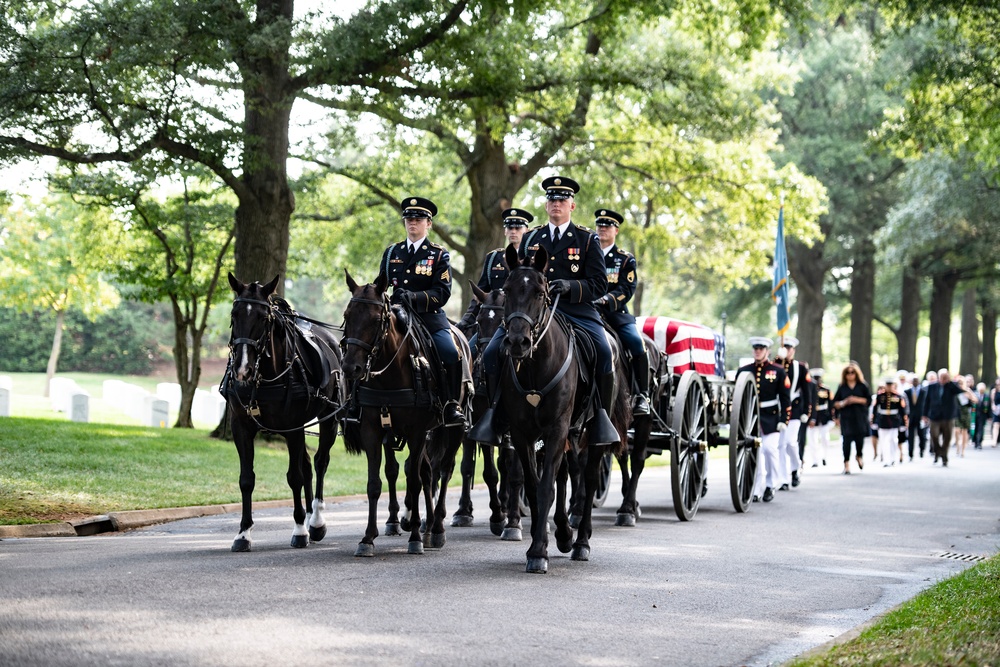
[779, 287]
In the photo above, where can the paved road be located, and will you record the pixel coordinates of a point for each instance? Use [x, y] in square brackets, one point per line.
[724, 589]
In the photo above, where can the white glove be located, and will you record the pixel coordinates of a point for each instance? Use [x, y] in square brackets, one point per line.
[782, 426]
[804, 419]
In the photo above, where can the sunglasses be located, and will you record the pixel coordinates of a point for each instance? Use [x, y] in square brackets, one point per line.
[850, 373]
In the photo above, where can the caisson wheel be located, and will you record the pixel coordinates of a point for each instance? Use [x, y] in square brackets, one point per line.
[689, 447]
[744, 441]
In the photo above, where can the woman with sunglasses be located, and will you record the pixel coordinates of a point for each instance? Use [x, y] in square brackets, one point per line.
[850, 406]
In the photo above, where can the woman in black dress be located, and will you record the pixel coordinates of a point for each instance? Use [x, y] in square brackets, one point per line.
[850, 408]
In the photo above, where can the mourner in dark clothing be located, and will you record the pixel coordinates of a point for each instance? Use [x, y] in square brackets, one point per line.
[420, 275]
[495, 270]
[775, 410]
[940, 411]
[915, 430]
[613, 306]
[576, 273]
[850, 406]
[982, 415]
[821, 420]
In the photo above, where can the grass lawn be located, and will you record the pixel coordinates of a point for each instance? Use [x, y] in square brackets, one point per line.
[955, 622]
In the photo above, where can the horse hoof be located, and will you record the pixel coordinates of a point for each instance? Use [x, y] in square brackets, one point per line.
[623, 519]
[511, 534]
[564, 546]
[462, 521]
[241, 544]
[317, 533]
[574, 521]
[537, 566]
[364, 550]
[638, 510]
[497, 527]
[300, 541]
[437, 540]
[415, 548]
[404, 523]
[580, 553]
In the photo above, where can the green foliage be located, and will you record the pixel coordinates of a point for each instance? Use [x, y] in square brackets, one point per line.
[123, 341]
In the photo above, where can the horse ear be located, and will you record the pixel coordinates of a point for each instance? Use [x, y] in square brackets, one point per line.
[541, 260]
[510, 255]
[271, 286]
[351, 284]
[480, 294]
[236, 284]
[382, 282]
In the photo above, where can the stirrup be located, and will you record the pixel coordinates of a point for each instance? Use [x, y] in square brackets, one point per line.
[641, 406]
[484, 431]
[456, 418]
[600, 430]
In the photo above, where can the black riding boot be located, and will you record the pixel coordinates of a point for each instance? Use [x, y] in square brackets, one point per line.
[484, 430]
[640, 373]
[601, 431]
[452, 392]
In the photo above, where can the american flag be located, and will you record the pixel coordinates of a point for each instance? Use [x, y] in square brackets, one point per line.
[688, 346]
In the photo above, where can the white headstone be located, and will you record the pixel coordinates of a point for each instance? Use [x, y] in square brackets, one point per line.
[171, 393]
[6, 385]
[79, 406]
[60, 389]
[207, 407]
[155, 412]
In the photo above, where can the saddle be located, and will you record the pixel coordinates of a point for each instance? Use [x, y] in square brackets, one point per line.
[314, 357]
[428, 369]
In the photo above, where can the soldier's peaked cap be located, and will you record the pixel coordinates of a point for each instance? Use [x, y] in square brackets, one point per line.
[418, 207]
[791, 340]
[816, 372]
[760, 341]
[605, 217]
[516, 217]
[560, 187]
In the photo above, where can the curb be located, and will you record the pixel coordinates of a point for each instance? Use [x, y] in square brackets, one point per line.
[132, 519]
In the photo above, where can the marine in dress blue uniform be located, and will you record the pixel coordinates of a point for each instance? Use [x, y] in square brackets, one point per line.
[621, 269]
[775, 410]
[420, 275]
[575, 271]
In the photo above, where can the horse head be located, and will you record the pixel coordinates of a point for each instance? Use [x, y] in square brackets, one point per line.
[490, 314]
[366, 323]
[526, 301]
[251, 325]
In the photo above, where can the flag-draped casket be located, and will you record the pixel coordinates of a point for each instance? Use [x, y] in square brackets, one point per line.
[688, 346]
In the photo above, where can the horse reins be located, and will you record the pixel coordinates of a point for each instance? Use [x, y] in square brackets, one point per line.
[534, 326]
[372, 350]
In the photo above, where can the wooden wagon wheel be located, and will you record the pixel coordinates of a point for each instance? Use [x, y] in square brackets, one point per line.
[689, 446]
[603, 480]
[744, 441]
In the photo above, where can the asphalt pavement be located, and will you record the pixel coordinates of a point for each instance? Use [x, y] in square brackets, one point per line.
[723, 589]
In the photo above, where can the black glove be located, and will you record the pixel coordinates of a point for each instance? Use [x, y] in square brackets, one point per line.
[605, 302]
[406, 298]
[558, 287]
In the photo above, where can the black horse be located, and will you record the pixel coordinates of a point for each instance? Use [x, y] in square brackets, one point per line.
[504, 479]
[392, 402]
[281, 376]
[544, 398]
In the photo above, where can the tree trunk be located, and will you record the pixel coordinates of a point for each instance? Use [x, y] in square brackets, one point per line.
[187, 359]
[808, 270]
[942, 297]
[50, 369]
[909, 318]
[968, 361]
[863, 310]
[989, 343]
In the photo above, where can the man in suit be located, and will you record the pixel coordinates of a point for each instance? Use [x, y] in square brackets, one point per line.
[576, 273]
[420, 275]
[775, 411]
[940, 412]
[915, 430]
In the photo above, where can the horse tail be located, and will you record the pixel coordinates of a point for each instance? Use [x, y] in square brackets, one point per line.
[621, 414]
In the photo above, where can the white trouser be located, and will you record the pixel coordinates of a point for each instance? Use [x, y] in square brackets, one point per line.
[767, 460]
[788, 452]
[888, 444]
[817, 440]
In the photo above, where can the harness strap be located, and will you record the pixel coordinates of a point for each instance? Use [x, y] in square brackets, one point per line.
[555, 379]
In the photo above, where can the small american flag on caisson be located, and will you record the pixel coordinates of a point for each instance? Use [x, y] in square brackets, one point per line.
[688, 346]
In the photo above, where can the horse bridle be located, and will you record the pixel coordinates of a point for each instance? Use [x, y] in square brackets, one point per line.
[260, 342]
[480, 342]
[371, 350]
[543, 323]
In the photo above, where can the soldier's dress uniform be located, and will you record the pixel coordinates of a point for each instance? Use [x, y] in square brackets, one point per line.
[797, 372]
[621, 269]
[422, 279]
[775, 410]
[494, 273]
[576, 271]
[889, 414]
[821, 420]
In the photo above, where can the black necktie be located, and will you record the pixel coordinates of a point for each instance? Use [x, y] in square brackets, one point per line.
[555, 236]
[409, 250]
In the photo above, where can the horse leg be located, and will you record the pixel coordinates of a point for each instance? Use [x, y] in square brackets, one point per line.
[491, 475]
[463, 516]
[413, 469]
[514, 482]
[454, 442]
[243, 437]
[298, 466]
[538, 552]
[628, 513]
[576, 489]
[321, 462]
[581, 548]
[392, 477]
[373, 449]
[564, 532]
